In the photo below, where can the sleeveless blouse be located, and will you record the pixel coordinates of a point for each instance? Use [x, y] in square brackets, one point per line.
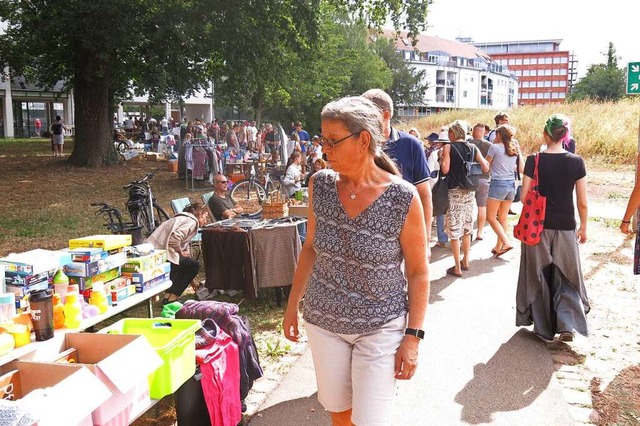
[357, 283]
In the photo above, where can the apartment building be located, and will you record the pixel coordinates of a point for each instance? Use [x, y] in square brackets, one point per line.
[459, 75]
[545, 72]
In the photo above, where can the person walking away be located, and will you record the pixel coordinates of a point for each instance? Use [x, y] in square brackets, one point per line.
[407, 152]
[459, 217]
[37, 124]
[551, 293]
[503, 158]
[174, 236]
[483, 181]
[57, 136]
[366, 222]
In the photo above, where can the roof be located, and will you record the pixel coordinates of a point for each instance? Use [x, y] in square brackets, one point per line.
[427, 43]
[517, 42]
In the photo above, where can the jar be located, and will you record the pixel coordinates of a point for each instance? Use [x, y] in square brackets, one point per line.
[7, 307]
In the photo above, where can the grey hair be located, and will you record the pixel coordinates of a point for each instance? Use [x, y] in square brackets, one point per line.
[381, 99]
[359, 114]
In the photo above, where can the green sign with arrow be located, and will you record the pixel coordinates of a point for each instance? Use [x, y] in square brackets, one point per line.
[633, 78]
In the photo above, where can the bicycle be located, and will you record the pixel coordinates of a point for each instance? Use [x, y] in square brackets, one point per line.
[142, 205]
[250, 193]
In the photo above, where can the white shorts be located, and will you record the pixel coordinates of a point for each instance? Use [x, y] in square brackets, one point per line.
[357, 370]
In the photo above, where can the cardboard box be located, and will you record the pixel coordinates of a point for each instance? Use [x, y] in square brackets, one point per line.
[122, 293]
[85, 283]
[87, 255]
[142, 287]
[64, 394]
[172, 165]
[105, 242]
[36, 261]
[13, 278]
[89, 269]
[142, 263]
[148, 274]
[123, 363]
[130, 154]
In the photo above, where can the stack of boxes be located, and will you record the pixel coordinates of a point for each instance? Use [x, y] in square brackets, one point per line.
[99, 258]
[31, 271]
[147, 271]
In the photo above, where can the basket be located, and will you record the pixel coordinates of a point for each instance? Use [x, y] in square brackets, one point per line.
[174, 340]
[275, 206]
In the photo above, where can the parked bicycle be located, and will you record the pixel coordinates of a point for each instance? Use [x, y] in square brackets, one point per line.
[250, 193]
[142, 205]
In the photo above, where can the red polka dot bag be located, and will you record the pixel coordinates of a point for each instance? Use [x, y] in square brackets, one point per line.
[531, 221]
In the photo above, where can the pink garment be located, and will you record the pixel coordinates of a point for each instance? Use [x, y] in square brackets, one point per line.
[199, 161]
[220, 368]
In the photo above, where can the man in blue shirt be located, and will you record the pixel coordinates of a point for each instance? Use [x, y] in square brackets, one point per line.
[302, 134]
[407, 152]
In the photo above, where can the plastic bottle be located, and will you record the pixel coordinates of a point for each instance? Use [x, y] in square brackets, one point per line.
[61, 284]
[99, 298]
[72, 311]
[58, 311]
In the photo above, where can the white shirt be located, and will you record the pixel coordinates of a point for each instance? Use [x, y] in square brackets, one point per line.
[252, 132]
[294, 172]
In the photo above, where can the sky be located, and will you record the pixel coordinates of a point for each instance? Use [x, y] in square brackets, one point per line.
[585, 26]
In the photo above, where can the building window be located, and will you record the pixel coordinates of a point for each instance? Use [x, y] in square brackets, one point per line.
[518, 61]
[561, 95]
[547, 83]
[563, 60]
[548, 60]
[525, 73]
[534, 61]
[526, 61]
[512, 61]
[518, 73]
[556, 71]
[563, 83]
[540, 95]
[554, 95]
[563, 72]
[556, 60]
[556, 83]
[464, 93]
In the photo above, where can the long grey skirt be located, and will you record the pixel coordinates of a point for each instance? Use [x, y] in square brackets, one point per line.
[551, 294]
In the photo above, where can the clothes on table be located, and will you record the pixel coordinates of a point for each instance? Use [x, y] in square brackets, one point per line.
[227, 261]
[270, 246]
[226, 317]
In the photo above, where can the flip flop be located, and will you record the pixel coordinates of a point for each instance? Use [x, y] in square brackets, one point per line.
[479, 238]
[452, 271]
[494, 251]
[464, 268]
[503, 251]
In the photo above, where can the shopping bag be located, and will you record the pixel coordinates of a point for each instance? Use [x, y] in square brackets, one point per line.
[531, 221]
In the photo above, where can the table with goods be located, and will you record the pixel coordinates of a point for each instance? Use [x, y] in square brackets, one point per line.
[53, 373]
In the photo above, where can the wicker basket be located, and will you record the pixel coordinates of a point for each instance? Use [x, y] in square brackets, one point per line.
[275, 207]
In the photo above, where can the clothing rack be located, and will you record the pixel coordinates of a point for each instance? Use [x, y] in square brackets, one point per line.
[189, 175]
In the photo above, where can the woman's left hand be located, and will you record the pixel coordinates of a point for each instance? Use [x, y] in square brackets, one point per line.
[582, 234]
[407, 358]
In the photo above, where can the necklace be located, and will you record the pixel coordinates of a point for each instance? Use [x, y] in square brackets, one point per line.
[353, 193]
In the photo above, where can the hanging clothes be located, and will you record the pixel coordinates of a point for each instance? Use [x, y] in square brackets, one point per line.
[199, 163]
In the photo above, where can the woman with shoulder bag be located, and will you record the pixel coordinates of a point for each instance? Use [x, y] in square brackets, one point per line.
[551, 294]
[459, 217]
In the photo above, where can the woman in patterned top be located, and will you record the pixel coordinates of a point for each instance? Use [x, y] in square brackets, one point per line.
[363, 314]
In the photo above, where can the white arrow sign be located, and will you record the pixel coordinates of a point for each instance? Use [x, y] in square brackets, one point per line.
[634, 86]
[635, 68]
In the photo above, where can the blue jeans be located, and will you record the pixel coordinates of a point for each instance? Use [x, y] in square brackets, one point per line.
[442, 236]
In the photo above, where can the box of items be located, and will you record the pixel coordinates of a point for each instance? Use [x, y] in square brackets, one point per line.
[64, 394]
[148, 274]
[88, 269]
[87, 254]
[147, 285]
[34, 262]
[105, 242]
[142, 263]
[122, 362]
[85, 283]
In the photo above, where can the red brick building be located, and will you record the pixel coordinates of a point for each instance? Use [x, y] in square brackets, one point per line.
[544, 72]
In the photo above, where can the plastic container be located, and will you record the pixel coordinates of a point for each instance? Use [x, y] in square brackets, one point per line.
[61, 284]
[7, 307]
[174, 340]
[41, 308]
[72, 311]
[58, 311]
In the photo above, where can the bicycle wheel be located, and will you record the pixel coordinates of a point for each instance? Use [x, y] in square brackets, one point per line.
[276, 185]
[160, 215]
[249, 195]
[122, 147]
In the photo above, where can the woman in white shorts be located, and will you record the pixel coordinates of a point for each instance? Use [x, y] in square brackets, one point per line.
[363, 317]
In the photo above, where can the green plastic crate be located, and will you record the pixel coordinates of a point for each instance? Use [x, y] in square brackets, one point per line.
[174, 340]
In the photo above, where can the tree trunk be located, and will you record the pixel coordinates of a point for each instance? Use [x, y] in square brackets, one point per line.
[258, 109]
[93, 141]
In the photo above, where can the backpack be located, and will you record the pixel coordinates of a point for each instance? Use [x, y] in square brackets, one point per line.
[471, 171]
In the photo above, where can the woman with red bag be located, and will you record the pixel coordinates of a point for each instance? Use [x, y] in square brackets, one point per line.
[551, 294]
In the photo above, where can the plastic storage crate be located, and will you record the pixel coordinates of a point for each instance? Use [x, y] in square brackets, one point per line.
[174, 340]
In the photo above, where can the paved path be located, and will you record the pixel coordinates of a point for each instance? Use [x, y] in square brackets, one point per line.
[476, 367]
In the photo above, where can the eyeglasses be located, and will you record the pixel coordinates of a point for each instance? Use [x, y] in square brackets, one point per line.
[222, 181]
[332, 142]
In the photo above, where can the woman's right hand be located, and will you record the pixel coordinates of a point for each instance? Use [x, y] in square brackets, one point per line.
[624, 227]
[290, 325]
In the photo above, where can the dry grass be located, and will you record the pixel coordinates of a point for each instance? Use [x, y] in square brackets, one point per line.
[605, 132]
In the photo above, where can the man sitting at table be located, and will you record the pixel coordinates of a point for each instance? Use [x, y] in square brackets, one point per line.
[221, 204]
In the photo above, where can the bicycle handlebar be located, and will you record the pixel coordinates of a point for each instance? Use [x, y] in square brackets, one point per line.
[148, 176]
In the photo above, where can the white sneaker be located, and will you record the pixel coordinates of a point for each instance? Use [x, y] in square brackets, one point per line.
[202, 293]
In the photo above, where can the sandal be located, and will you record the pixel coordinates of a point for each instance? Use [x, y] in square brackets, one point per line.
[452, 271]
[504, 250]
[566, 336]
[464, 268]
[494, 251]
